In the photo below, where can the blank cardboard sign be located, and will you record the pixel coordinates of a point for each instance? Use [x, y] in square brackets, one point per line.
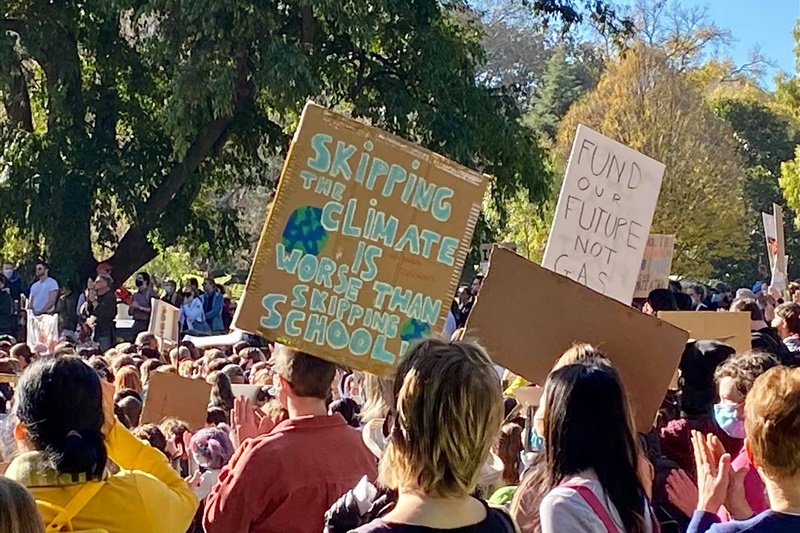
[170, 395]
[732, 329]
[527, 316]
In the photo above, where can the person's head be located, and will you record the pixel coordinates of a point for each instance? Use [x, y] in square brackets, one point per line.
[170, 287]
[250, 356]
[209, 285]
[186, 368]
[120, 361]
[42, 270]
[221, 392]
[509, 450]
[211, 447]
[20, 514]
[580, 353]
[132, 407]
[773, 425]
[142, 279]
[148, 367]
[216, 416]
[151, 434]
[174, 430]
[8, 269]
[299, 375]
[348, 408]
[378, 397]
[787, 319]
[147, 340]
[189, 294]
[464, 295]
[699, 361]
[588, 425]
[235, 374]
[193, 283]
[23, 354]
[448, 413]
[697, 293]
[749, 305]
[102, 284]
[60, 413]
[794, 291]
[660, 300]
[476, 285]
[128, 378]
[735, 378]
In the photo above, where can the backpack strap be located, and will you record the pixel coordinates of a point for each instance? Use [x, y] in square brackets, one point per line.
[594, 502]
[64, 515]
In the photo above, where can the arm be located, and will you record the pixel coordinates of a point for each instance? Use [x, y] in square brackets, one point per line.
[52, 298]
[166, 496]
[702, 522]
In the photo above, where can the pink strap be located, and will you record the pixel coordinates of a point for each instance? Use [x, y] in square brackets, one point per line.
[601, 511]
[594, 502]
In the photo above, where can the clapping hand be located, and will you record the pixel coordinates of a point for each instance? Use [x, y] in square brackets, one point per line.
[713, 476]
[247, 421]
[682, 492]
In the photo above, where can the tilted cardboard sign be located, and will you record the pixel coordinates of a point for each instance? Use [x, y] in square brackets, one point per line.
[656, 265]
[603, 216]
[363, 248]
[529, 396]
[164, 320]
[732, 329]
[527, 317]
[169, 395]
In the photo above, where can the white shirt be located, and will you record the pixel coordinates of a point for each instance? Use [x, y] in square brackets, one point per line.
[563, 510]
[449, 326]
[193, 313]
[40, 293]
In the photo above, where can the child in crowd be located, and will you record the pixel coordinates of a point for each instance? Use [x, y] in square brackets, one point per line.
[211, 449]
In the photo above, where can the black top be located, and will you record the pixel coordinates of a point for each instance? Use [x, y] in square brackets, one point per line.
[105, 311]
[496, 521]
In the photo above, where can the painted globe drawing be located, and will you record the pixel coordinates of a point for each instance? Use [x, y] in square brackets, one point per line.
[414, 329]
[304, 231]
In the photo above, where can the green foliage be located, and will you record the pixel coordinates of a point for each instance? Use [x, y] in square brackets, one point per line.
[155, 110]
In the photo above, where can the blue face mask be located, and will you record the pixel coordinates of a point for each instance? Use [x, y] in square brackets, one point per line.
[725, 415]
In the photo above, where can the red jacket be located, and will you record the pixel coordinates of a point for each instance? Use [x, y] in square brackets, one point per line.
[284, 482]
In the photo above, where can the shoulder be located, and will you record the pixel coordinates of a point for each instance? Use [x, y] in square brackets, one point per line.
[379, 526]
[51, 283]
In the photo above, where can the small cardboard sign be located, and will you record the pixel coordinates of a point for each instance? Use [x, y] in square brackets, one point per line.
[527, 317]
[529, 396]
[164, 320]
[363, 248]
[732, 328]
[656, 265]
[246, 391]
[486, 251]
[603, 215]
[170, 395]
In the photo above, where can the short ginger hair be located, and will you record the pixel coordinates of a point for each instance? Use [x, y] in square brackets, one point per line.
[772, 422]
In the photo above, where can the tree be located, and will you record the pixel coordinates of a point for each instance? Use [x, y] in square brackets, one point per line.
[765, 138]
[644, 103]
[127, 121]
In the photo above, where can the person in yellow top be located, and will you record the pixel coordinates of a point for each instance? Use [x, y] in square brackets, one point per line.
[66, 432]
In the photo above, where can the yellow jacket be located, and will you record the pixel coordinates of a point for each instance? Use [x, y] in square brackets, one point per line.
[145, 496]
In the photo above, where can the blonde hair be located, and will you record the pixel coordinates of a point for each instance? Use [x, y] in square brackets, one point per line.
[20, 514]
[579, 353]
[772, 422]
[378, 397]
[448, 413]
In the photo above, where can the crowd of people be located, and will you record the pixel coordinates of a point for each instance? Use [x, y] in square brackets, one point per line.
[90, 315]
[442, 445]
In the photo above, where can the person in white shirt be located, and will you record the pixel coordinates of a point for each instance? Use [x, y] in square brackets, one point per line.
[592, 457]
[192, 316]
[44, 293]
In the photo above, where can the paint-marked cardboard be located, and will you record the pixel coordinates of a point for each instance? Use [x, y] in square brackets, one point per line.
[527, 316]
[732, 329]
[169, 395]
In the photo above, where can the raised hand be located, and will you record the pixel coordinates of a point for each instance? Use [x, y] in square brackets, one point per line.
[682, 492]
[713, 477]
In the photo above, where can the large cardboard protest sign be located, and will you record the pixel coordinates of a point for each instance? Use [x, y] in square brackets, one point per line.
[656, 265]
[363, 248]
[732, 329]
[527, 316]
[602, 220]
[42, 330]
[164, 320]
[170, 395]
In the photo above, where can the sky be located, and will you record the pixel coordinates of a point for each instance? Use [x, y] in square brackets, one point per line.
[768, 23]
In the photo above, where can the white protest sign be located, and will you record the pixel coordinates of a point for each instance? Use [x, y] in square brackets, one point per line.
[486, 251]
[602, 220]
[656, 265]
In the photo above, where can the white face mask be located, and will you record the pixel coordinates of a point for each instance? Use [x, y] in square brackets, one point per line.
[8, 272]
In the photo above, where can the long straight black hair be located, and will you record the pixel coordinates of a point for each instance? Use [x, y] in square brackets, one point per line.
[60, 402]
[588, 426]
